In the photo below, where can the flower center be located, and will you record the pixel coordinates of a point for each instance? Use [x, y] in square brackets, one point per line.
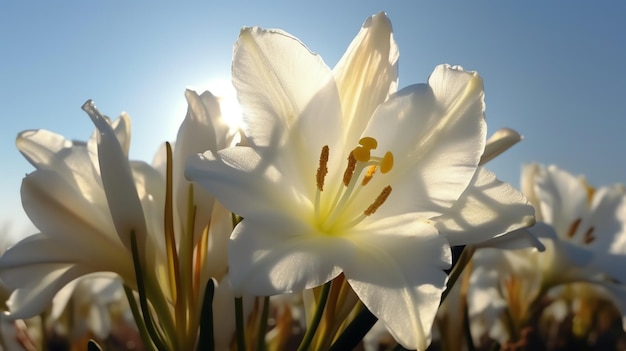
[361, 168]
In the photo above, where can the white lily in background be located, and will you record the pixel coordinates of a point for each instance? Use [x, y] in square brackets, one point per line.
[592, 220]
[583, 230]
[80, 309]
[99, 212]
[347, 175]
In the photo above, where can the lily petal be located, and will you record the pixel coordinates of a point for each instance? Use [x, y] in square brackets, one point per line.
[562, 198]
[275, 76]
[228, 176]
[436, 133]
[488, 208]
[118, 182]
[367, 73]
[39, 284]
[498, 143]
[402, 263]
[51, 151]
[279, 256]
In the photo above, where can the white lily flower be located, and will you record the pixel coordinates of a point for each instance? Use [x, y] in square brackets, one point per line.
[583, 230]
[99, 212]
[344, 174]
[87, 300]
[592, 220]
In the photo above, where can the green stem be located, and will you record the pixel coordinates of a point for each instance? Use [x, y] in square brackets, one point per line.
[141, 325]
[143, 302]
[355, 331]
[467, 330]
[317, 317]
[265, 312]
[241, 338]
[206, 341]
[466, 256]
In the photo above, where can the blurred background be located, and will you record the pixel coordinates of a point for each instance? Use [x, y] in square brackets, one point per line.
[552, 70]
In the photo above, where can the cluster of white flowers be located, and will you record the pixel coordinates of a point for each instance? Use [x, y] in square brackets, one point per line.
[343, 196]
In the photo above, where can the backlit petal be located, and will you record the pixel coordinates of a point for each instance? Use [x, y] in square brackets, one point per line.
[398, 274]
[275, 76]
[367, 73]
[487, 208]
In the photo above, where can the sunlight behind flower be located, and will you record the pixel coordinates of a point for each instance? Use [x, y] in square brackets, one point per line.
[223, 88]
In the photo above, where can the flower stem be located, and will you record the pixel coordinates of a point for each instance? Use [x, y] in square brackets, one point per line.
[317, 317]
[143, 302]
[355, 331]
[206, 340]
[265, 312]
[465, 258]
[241, 338]
[141, 325]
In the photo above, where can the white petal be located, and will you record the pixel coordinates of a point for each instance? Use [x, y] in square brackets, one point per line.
[216, 264]
[436, 133]
[56, 207]
[562, 197]
[203, 129]
[607, 222]
[121, 128]
[118, 183]
[398, 274]
[367, 73]
[40, 285]
[488, 208]
[527, 180]
[244, 182]
[516, 240]
[499, 142]
[279, 256]
[70, 159]
[275, 76]
[43, 249]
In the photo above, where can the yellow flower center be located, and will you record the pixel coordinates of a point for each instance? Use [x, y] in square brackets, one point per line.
[361, 168]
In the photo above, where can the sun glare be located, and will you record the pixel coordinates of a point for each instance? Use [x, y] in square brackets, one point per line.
[224, 90]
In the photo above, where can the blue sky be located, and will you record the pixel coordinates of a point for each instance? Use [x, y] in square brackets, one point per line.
[552, 72]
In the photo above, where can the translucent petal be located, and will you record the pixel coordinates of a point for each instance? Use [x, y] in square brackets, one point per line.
[487, 208]
[436, 133]
[245, 183]
[398, 274]
[38, 285]
[367, 73]
[275, 76]
[118, 183]
[280, 255]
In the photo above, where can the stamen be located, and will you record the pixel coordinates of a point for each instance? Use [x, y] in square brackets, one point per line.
[368, 143]
[379, 201]
[387, 163]
[323, 168]
[589, 237]
[347, 175]
[368, 176]
[573, 228]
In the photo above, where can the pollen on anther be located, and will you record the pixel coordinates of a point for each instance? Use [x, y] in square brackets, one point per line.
[382, 197]
[573, 228]
[369, 174]
[387, 163]
[323, 168]
[347, 175]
